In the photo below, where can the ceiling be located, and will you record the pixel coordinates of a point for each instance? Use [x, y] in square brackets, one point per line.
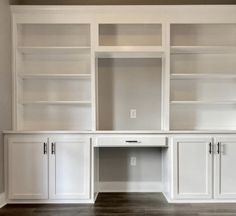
[119, 2]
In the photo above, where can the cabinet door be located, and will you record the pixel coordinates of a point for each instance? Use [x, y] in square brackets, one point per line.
[193, 162]
[27, 168]
[69, 167]
[225, 175]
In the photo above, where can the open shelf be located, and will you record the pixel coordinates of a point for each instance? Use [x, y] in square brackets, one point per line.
[56, 102]
[130, 52]
[202, 76]
[206, 102]
[52, 50]
[129, 84]
[55, 76]
[203, 49]
[130, 34]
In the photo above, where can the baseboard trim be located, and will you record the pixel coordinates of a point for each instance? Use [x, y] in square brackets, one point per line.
[131, 187]
[2, 200]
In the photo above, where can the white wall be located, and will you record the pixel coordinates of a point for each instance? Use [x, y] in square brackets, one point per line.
[5, 76]
[115, 164]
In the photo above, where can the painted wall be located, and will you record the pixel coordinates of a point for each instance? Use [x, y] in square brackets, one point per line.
[125, 2]
[5, 76]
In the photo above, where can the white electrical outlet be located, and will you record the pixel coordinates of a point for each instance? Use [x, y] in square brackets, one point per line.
[133, 113]
[133, 161]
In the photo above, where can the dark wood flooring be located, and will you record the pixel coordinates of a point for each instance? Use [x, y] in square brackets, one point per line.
[122, 204]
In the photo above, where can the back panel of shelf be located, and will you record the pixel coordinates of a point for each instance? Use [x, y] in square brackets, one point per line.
[41, 35]
[126, 84]
[56, 117]
[203, 35]
[130, 34]
[55, 63]
[203, 117]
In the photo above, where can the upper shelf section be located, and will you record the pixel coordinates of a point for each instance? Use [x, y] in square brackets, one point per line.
[130, 35]
[209, 36]
[53, 35]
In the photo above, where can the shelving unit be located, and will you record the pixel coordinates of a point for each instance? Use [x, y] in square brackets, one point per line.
[129, 74]
[202, 76]
[54, 79]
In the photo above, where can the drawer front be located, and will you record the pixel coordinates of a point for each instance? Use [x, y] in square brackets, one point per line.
[131, 140]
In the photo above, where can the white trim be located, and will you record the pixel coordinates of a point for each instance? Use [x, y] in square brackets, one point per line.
[130, 186]
[2, 200]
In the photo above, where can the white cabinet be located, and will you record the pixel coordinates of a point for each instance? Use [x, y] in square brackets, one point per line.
[27, 168]
[69, 168]
[193, 168]
[56, 167]
[225, 160]
[194, 161]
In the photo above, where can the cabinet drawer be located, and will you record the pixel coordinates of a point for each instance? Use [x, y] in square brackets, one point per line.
[131, 140]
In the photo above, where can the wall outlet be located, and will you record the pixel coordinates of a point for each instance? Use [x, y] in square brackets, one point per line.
[133, 113]
[133, 161]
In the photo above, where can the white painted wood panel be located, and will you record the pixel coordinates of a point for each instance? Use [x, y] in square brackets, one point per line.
[193, 164]
[131, 141]
[27, 168]
[69, 167]
[225, 176]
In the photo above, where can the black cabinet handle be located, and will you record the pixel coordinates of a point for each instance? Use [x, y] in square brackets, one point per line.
[218, 147]
[132, 141]
[210, 147]
[44, 148]
[53, 148]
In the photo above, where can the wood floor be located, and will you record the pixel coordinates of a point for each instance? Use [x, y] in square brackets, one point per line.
[122, 204]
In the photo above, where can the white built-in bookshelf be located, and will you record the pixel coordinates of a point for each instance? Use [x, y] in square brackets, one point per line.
[54, 77]
[91, 76]
[203, 72]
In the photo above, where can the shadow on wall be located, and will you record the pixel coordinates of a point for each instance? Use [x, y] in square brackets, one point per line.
[120, 2]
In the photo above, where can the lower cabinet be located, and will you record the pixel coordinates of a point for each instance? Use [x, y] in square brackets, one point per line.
[27, 168]
[56, 167]
[193, 168]
[203, 168]
[69, 168]
[225, 162]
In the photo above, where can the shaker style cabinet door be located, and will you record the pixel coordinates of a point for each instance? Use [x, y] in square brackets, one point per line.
[193, 164]
[69, 167]
[225, 175]
[27, 168]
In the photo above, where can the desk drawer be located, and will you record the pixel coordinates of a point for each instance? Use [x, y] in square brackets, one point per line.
[131, 140]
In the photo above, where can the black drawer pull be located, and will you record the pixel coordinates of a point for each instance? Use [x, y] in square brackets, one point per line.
[132, 141]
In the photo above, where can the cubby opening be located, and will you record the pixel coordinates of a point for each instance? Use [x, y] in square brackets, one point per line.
[203, 117]
[56, 35]
[208, 90]
[57, 90]
[203, 35]
[129, 84]
[55, 63]
[203, 63]
[55, 117]
[130, 35]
